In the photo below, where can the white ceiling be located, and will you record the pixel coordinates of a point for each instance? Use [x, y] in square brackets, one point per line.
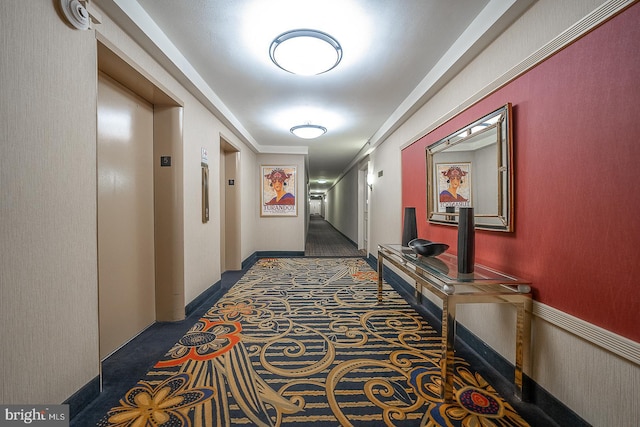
[396, 54]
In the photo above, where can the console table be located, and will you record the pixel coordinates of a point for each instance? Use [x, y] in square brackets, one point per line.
[440, 276]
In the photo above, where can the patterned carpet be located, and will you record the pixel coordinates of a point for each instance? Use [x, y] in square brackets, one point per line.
[302, 341]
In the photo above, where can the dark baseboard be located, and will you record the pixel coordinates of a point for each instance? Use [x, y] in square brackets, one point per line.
[251, 259]
[279, 254]
[345, 236]
[81, 398]
[149, 338]
[495, 368]
[254, 257]
[200, 299]
[474, 350]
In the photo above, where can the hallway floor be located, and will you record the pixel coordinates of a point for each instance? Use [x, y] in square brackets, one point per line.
[324, 240]
[125, 367]
[321, 296]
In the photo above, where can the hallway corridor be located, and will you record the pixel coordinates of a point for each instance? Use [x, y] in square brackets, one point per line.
[324, 240]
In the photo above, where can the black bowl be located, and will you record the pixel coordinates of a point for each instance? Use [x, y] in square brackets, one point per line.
[427, 248]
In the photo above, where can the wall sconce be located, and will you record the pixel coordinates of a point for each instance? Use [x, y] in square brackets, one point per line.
[370, 181]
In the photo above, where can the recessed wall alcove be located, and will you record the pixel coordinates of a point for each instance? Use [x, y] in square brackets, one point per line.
[138, 290]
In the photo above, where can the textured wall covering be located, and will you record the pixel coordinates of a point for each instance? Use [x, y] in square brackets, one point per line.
[574, 145]
[48, 276]
[345, 198]
[576, 152]
[48, 241]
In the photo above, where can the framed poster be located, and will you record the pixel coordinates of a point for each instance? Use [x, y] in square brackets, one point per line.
[481, 156]
[278, 191]
[453, 186]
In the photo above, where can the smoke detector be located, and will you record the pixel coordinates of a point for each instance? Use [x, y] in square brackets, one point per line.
[76, 14]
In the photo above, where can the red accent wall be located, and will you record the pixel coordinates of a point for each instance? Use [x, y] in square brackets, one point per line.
[576, 134]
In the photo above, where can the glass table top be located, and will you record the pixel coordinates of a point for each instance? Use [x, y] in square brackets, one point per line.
[445, 267]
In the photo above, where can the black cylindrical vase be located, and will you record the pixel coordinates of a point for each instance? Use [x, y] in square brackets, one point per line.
[409, 228]
[466, 240]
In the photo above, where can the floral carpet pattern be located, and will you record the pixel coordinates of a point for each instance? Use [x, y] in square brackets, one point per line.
[304, 341]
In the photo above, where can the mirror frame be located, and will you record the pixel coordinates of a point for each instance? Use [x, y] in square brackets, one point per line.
[499, 218]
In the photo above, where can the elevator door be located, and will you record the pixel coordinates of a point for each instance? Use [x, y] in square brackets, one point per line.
[126, 274]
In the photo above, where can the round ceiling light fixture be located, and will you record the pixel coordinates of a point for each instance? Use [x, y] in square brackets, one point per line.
[308, 131]
[305, 52]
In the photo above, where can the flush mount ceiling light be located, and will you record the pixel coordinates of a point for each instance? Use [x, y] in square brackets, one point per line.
[308, 131]
[305, 52]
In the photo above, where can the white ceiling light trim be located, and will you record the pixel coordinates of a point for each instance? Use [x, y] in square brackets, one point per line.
[308, 131]
[305, 52]
[297, 113]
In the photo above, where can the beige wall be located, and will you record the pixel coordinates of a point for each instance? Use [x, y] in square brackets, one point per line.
[48, 276]
[48, 267]
[248, 204]
[344, 198]
[202, 245]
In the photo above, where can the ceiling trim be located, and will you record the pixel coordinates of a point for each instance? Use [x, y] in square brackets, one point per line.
[588, 23]
[493, 20]
[278, 149]
[138, 24]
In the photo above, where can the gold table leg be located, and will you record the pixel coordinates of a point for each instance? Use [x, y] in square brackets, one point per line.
[448, 349]
[523, 341]
[379, 277]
